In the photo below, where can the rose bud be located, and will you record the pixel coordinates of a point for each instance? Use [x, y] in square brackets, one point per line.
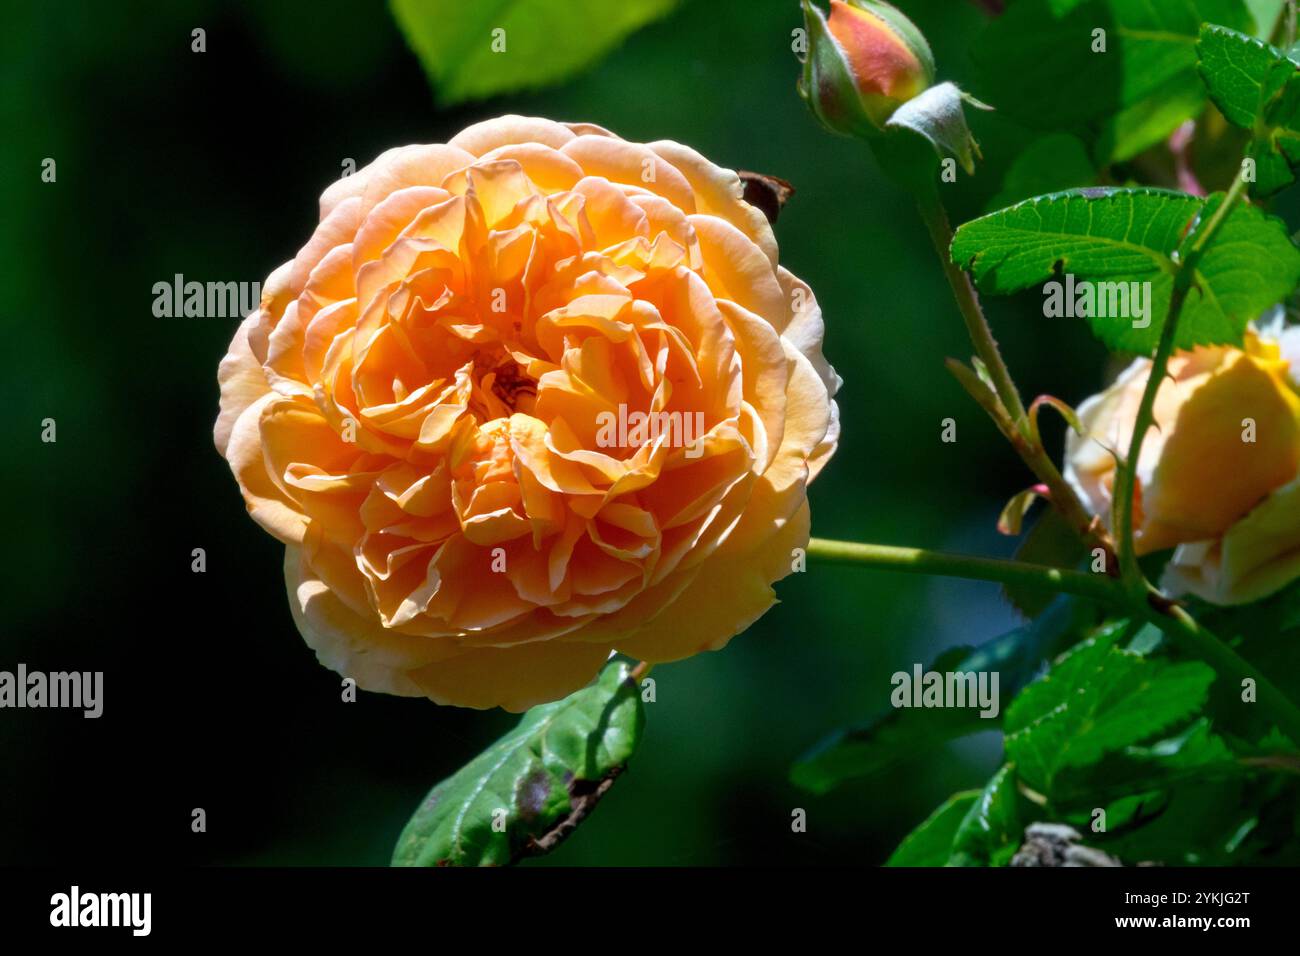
[863, 62]
[1219, 478]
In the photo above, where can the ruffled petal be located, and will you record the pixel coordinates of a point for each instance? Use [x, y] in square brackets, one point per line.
[377, 658]
[242, 383]
[725, 597]
[1259, 556]
[267, 503]
[523, 398]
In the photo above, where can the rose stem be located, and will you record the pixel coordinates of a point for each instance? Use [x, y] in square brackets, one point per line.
[1154, 606]
[1009, 415]
[1183, 279]
[1169, 618]
[920, 561]
[1013, 423]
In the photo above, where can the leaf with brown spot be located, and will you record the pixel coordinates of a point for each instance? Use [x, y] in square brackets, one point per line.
[533, 787]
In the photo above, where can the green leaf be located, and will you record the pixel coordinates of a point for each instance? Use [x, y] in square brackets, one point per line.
[540, 42]
[1098, 699]
[1037, 63]
[536, 783]
[930, 844]
[1122, 236]
[1244, 75]
[900, 733]
[1237, 820]
[972, 828]
[1127, 813]
[1149, 771]
[990, 832]
[1196, 747]
[1256, 87]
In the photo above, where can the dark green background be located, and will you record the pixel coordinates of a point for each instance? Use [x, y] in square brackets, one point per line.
[210, 165]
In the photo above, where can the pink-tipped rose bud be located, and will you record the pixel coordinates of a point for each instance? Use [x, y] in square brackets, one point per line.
[863, 62]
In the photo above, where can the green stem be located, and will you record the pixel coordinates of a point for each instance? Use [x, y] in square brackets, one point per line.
[1181, 627]
[1235, 192]
[1009, 413]
[1132, 592]
[1141, 597]
[1128, 563]
[1130, 572]
[981, 335]
[920, 561]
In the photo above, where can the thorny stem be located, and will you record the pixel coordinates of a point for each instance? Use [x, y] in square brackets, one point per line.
[1183, 280]
[1132, 592]
[1003, 404]
[1156, 608]
[936, 220]
[1128, 562]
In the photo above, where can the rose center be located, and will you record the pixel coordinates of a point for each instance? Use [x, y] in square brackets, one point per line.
[501, 387]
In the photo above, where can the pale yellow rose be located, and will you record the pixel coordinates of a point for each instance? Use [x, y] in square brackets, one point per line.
[1219, 478]
[416, 411]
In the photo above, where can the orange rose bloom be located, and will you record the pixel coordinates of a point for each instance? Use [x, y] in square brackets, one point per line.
[1219, 479]
[525, 399]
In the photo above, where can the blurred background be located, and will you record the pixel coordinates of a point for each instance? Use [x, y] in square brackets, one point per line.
[210, 164]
